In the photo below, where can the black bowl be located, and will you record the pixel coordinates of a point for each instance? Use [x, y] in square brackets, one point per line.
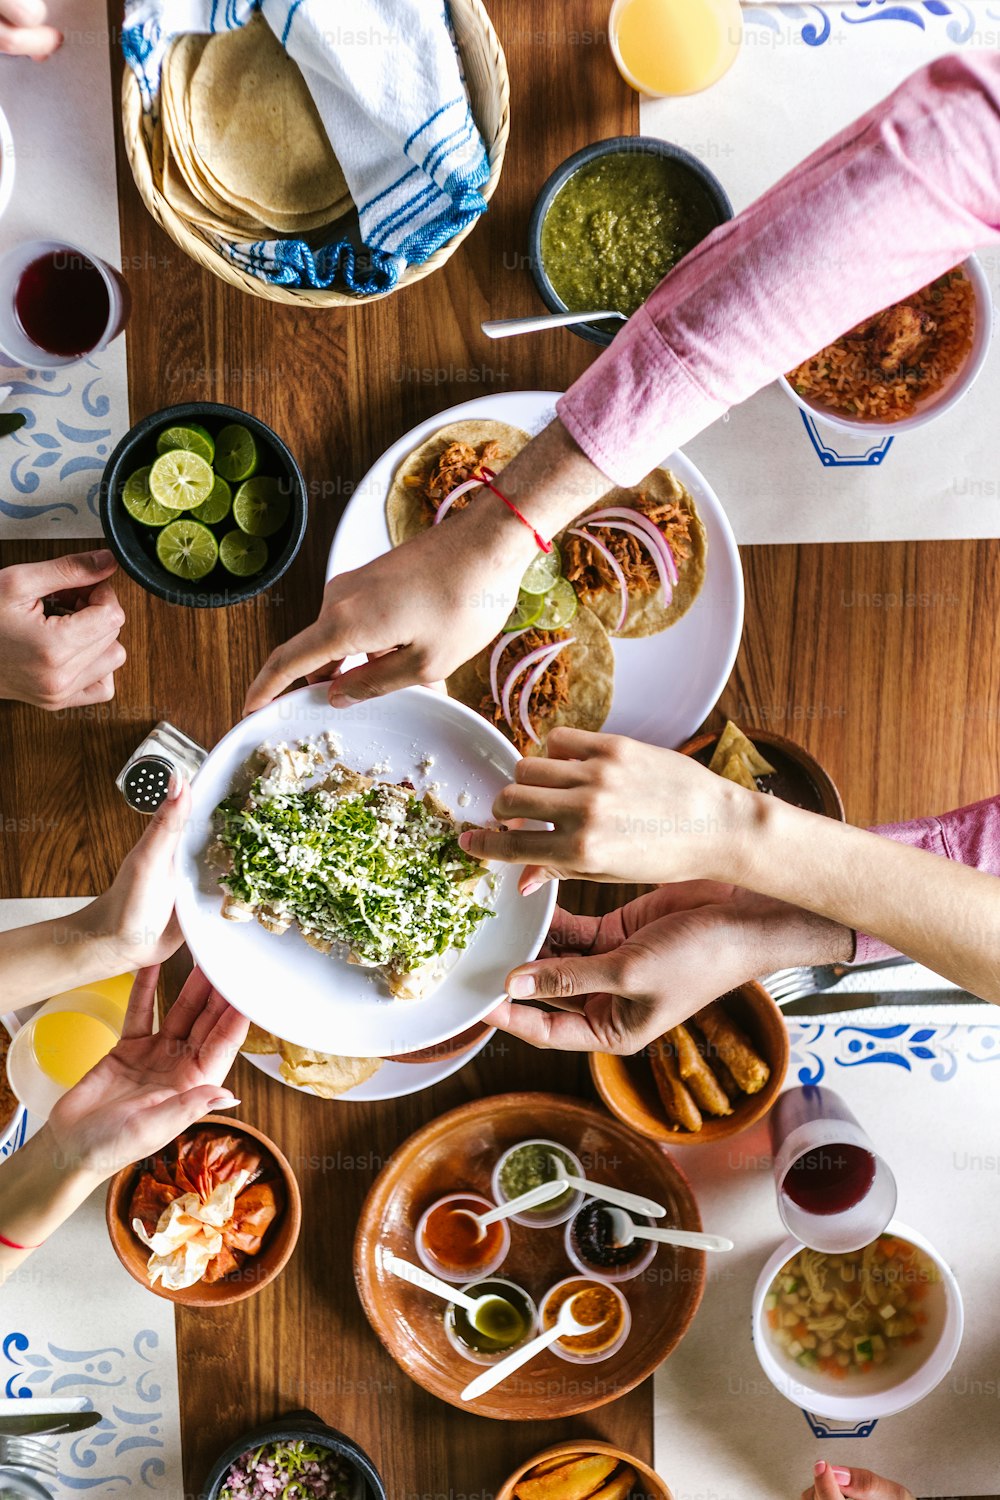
[299, 1426]
[134, 545]
[604, 331]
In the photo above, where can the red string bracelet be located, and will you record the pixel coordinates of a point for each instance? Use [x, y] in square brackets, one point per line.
[11, 1245]
[485, 475]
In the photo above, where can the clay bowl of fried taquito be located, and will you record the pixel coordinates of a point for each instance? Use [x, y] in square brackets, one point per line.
[575, 1471]
[703, 1082]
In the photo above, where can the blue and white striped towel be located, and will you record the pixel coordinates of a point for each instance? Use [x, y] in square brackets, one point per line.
[386, 79]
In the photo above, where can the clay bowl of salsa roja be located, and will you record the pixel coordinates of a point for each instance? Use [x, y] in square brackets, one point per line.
[456, 1153]
[257, 1271]
[799, 778]
[627, 1086]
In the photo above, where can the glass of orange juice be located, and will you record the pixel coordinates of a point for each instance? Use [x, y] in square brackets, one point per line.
[673, 47]
[63, 1040]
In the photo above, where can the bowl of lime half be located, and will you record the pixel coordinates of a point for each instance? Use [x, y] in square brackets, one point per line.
[203, 505]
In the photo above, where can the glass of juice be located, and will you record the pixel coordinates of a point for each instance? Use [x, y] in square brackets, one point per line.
[63, 1040]
[835, 1193]
[666, 48]
[58, 304]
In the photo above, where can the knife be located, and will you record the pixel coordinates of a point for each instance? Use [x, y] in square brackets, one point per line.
[831, 1002]
[40, 1424]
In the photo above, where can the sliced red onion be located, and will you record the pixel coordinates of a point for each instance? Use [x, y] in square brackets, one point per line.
[449, 500]
[498, 651]
[613, 564]
[531, 683]
[655, 554]
[522, 666]
[655, 535]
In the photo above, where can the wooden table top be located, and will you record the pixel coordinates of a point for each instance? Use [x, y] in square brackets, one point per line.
[897, 700]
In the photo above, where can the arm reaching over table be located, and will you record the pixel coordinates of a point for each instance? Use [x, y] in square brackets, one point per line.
[622, 810]
[618, 982]
[920, 171]
[151, 1086]
[59, 626]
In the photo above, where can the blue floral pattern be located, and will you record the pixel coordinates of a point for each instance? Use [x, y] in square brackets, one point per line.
[936, 1051]
[124, 1451]
[954, 18]
[52, 465]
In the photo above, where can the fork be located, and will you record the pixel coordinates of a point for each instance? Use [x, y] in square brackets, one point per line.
[787, 985]
[28, 1453]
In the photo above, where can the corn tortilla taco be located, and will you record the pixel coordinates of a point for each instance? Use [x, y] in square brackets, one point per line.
[663, 500]
[575, 689]
[426, 477]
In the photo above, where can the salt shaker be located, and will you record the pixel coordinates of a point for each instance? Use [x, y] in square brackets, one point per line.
[144, 779]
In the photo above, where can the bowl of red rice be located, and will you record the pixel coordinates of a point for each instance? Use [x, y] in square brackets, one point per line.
[905, 365]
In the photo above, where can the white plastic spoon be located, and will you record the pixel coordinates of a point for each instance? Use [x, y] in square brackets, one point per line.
[533, 1198]
[565, 1324]
[624, 1231]
[417, 1276]
[632, 1201]
[505, 328]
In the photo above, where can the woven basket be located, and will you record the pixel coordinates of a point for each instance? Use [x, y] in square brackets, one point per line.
[489, 94]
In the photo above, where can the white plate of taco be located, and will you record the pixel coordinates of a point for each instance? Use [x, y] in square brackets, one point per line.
[640, 629]
[321, 885]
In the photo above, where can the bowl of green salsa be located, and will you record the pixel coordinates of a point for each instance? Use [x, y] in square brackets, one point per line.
[613, 220]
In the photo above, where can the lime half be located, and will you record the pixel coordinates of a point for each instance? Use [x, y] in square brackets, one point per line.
[542, 572]
[140, 504]
[261, 506]
[242, 555]
[195, 439]
[558, 606]
[187, 549]
[180, 480]
[217, 506]
[236, 454]
[525, 611]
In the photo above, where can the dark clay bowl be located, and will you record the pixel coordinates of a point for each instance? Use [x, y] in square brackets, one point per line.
[603, 332]
[796, 768]
[134, 545]
[299, 1426]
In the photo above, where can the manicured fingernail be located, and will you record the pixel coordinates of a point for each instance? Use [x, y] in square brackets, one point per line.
[521, 986]
[842, 1476]
[819, 1467]
[225, 1101]
[533, 885]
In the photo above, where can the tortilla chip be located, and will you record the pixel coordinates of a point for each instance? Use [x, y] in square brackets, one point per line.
[647, 614]
[327, 1075]
[405, 513]
[591, 662]
[259, 1042]
[734, 745]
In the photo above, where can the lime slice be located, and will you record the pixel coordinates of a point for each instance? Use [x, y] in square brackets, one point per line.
[542, 572]
[236, 454]
[525, 612]
[558, 606]
[187, 549]
[180, 480]
[261, 506]
[140, 504]
[242, 555]
[195, 439]
[216, 507]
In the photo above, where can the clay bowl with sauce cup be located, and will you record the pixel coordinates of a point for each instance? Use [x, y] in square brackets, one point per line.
[569, 1286]
[906, 1377]
[134, 545]
[500, 1286]
[648, 1484]
[300, 1427]
[800, 779]
[457, 1153]
[460, 1274]
[547, 1215]
[642, 1252]
[692, 175]
[627, 1087]
[254, 1274]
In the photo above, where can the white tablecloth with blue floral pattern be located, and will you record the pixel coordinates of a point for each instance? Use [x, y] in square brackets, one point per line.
[926, 1090]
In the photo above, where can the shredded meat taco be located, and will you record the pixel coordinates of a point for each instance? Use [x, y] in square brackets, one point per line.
[427, 476]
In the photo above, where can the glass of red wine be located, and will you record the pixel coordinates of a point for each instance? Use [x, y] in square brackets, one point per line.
[58, 304]
[835, 1193]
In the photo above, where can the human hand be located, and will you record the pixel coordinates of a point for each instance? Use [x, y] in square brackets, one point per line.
[63, 660]
[24, 31]
[417, 612]
[621, 810]
[134, 918]
[151, 1085]
[857, 1484]
[620, 981]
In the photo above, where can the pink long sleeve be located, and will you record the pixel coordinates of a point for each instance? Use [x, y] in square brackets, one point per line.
[896, 199]
[971, 836]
